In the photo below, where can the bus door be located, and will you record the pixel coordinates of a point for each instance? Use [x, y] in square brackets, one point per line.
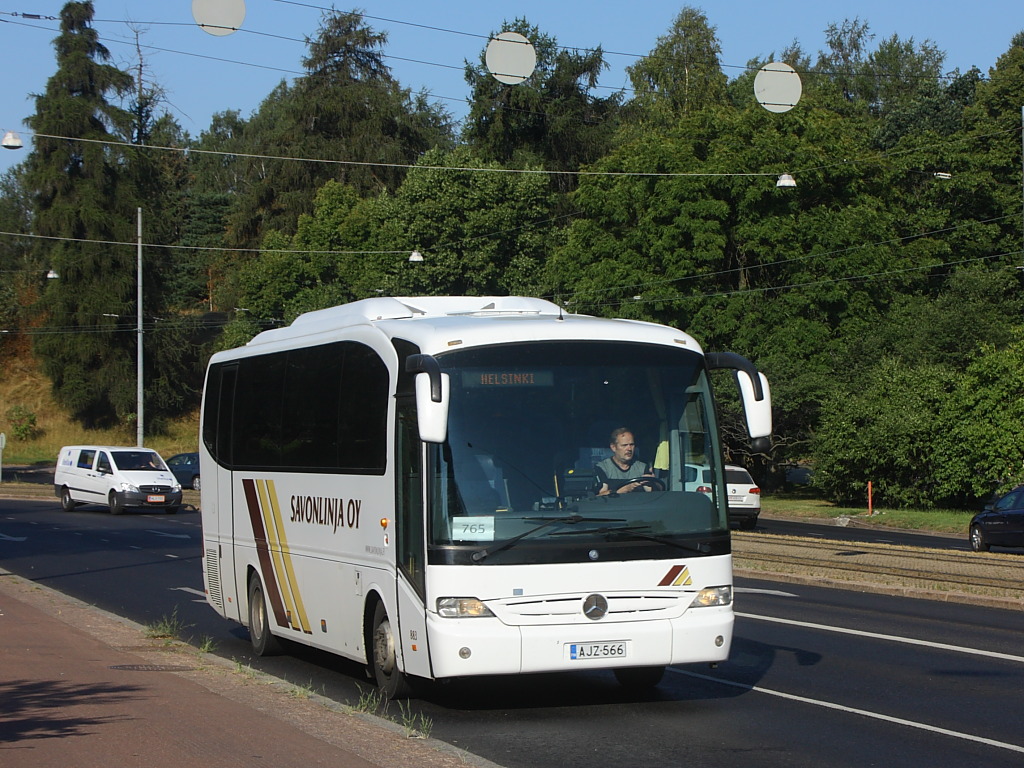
[219, 522]
[411, 543]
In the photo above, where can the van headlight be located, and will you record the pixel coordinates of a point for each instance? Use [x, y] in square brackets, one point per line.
[129, 488]
[461, 607]
[712, 596]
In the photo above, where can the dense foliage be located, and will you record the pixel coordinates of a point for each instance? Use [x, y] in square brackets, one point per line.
[881, 295]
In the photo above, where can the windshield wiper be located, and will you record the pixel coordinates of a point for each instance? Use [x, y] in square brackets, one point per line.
[572, 519]
[637, 531]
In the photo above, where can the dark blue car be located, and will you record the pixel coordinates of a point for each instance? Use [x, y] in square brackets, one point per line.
[185, 467]
[1000, 524]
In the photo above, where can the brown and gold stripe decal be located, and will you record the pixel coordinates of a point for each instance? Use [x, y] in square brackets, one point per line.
[677, 576]
[274, 556]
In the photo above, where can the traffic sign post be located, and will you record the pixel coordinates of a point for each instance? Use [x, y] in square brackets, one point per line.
[3, 444]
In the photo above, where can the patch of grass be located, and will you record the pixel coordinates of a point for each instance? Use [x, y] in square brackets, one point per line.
[245, 670]
[168, 628]
[416, 724]
[370, 700]
[803, 506]
[23, 384]
[302, 691]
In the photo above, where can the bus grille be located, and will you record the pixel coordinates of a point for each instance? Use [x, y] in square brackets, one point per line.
[568, 609]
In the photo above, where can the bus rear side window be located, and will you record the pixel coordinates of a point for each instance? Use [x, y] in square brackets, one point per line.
[321, 408]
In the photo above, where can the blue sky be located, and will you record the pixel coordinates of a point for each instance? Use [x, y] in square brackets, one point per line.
[429, 41]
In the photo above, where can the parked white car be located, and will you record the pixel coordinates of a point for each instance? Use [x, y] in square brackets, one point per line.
[744, 497]
[120, 478]
[744, 494]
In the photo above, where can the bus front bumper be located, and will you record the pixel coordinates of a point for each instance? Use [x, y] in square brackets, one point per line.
[486, 646]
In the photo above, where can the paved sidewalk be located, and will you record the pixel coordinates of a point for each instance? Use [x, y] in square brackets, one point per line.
[83, 688]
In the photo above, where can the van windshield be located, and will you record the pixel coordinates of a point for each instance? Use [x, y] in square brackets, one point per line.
[128, 461]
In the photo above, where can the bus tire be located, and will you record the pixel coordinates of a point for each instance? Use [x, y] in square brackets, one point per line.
[264, 643]
[639, 677]
[391, 681]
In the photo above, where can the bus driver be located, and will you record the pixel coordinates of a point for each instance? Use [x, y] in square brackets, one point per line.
[622, 472]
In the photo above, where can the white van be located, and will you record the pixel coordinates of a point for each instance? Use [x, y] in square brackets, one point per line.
[121, 478]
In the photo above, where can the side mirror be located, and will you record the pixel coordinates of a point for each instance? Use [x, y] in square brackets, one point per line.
[432, 389]
[757, 411]
[754, 393]
[432, 416]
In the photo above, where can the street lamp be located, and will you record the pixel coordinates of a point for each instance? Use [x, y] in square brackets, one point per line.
[12, 141]
[415, 257]
[786, 180]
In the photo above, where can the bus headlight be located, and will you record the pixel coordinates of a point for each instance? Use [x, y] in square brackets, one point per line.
[712, 596]
[461, 607]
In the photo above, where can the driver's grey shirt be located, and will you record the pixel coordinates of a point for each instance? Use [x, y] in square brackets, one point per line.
[607, 469]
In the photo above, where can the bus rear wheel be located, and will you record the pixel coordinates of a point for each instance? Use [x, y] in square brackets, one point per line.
[639, 677]
[263, 642]
[390, 679]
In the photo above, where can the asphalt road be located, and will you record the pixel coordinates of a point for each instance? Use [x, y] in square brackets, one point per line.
[816, 676]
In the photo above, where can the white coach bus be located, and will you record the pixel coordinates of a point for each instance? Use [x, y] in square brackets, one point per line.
[410, 483]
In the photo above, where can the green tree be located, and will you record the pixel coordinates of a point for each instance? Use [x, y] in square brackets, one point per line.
[346, 119]
[682, 74]
[887, 433]
[80, 204]
[553, 118]
[982, 446]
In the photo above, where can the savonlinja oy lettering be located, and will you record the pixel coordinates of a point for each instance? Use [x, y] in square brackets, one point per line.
[328, 511]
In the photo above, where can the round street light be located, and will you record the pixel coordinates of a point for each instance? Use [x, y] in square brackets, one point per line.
[12, 141]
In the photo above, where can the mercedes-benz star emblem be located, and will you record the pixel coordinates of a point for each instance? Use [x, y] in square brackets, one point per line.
[595, 607]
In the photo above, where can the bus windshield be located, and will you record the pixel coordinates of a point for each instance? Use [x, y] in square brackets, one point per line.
[574, 451]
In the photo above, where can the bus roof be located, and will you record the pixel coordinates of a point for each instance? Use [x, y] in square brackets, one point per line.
[440, 323]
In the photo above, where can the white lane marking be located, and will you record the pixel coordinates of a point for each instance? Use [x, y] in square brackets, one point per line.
[891, 638]
[775, 592]
[5, 537]
[190, 591]
[855, 711]
[170, 535]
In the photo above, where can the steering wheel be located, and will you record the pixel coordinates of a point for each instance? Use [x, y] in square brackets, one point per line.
[655, 483]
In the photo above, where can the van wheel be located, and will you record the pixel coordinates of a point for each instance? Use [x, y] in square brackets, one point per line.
[66, 502]
[639, 677]
[391, 681]
[116, 503]
[263, 642]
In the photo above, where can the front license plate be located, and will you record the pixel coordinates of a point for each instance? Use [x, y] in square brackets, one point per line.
[616, 649]
[156, 499]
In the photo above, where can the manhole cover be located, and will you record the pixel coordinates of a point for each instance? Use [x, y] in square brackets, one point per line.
[152, 668]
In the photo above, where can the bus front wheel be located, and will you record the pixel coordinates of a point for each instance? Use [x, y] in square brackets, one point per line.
[390, 679]
[263, 642]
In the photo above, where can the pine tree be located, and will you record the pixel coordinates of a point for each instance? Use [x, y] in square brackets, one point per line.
[85, 343]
